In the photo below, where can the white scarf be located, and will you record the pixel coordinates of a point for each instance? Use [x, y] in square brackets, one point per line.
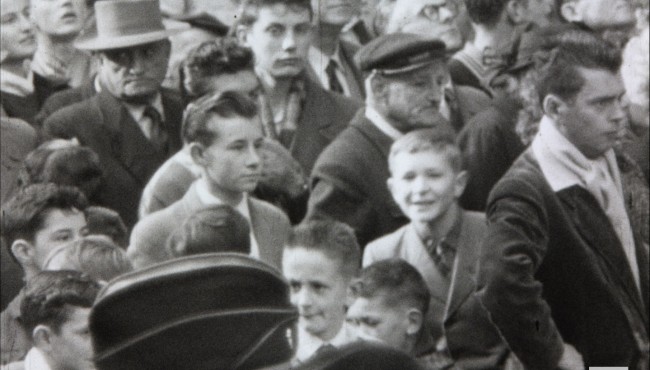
[17, 85]
[564, 165]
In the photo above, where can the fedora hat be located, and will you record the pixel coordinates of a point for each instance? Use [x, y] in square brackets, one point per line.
[202, 312]
[125, 23]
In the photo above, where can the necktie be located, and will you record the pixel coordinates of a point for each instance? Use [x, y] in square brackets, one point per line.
[443, 256]
[335, 84]
[157, 135]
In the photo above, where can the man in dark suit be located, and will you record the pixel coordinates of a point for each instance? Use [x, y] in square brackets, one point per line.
[562, 273]
[331, 59]
[132, 124]
[406, 74]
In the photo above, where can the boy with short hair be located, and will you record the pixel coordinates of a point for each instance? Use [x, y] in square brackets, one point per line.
[55, 313]
[37, 219]
[442, 243]
[319, 261]
[391, 301]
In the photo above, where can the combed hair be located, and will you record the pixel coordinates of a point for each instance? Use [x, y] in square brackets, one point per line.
[105, 221]
[249, 9]
[214, 58]
[577, 49]
[49, 295]
[226, 105]
[211, 230]
[24, 213]
[486, 12]
[396, 280]
[440, 139]
[334, 239]
[94, 255]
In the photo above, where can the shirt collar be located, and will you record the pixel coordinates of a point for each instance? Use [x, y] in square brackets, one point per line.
[380, 122]
[451, 239]
[35, 360]
[137, 110]
[17, 85]
[309, 344]
[319, 60]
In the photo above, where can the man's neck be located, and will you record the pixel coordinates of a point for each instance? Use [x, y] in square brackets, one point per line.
[59, 46]
[495, 37]
[326, 38]
[231, 198]
[439, 228]
[276, 89]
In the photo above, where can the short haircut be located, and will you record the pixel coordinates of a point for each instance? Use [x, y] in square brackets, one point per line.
[105, 221]
[486, 12]
[24, 213]
[211, 230]
[577, 49]
[249, 9]
[440, 139]
[49, 295]
[226, 105]
[396, 281]
[334, 239]
[212, 59]
[95, 255]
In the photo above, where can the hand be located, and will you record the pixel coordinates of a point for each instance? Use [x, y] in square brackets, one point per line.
[571, 359]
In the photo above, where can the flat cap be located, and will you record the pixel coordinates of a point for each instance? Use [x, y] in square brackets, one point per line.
[398, 53]
[203, 312]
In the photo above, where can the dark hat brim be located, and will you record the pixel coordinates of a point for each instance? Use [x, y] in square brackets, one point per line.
[95, 42]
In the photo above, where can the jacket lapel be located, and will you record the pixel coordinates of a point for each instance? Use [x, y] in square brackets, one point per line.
[129, 145]
[594, 227]
[462, 281]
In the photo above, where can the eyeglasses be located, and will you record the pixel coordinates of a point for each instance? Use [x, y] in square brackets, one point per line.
[432, 11]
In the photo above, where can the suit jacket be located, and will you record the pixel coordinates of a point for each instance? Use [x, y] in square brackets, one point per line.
[65, 98]
[465, 102]
[128, 158]
[347, 50]
[553, 271]
[324, 115]
[149, 237]
[472, 340]
[349, 182]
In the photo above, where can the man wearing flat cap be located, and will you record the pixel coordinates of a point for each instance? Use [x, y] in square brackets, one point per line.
[132, 123]
[405, 78]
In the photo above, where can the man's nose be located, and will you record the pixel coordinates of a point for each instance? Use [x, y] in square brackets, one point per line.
[289, 41]
[444, 14]
[303, 298]
[254, 159]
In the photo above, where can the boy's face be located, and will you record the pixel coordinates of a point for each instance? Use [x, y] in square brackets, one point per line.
[232, 162]
[375, 320]
[60, 226]
[318, 290]
[424, 184]
[280, 39]
[71, 348]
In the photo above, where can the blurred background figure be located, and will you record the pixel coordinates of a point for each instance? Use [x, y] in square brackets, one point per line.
[613, 20]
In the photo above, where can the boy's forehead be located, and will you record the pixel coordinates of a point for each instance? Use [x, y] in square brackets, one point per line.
[402, 159]
[315, 260]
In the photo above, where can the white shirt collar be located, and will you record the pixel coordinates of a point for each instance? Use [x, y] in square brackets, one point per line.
[137, 111]
[309, 344]
[208, 199]
[382, 124]
[35, 360]
[17, 85]
[319, 62]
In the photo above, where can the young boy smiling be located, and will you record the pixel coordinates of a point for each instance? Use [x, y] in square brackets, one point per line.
[319, 261]
[442, 242]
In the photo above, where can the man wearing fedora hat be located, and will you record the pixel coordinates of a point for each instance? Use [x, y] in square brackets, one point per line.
[406, 75]
[133, 124]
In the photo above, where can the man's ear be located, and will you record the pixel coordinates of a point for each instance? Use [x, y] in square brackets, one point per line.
[516, 11]
[415, 321]
[42, 338]
[553, 106]
[23, 251]
[569, 11]
[197, 151]
[460, 183]
[241, 32]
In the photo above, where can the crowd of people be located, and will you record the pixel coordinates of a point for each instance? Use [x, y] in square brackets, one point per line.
[324, 184]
